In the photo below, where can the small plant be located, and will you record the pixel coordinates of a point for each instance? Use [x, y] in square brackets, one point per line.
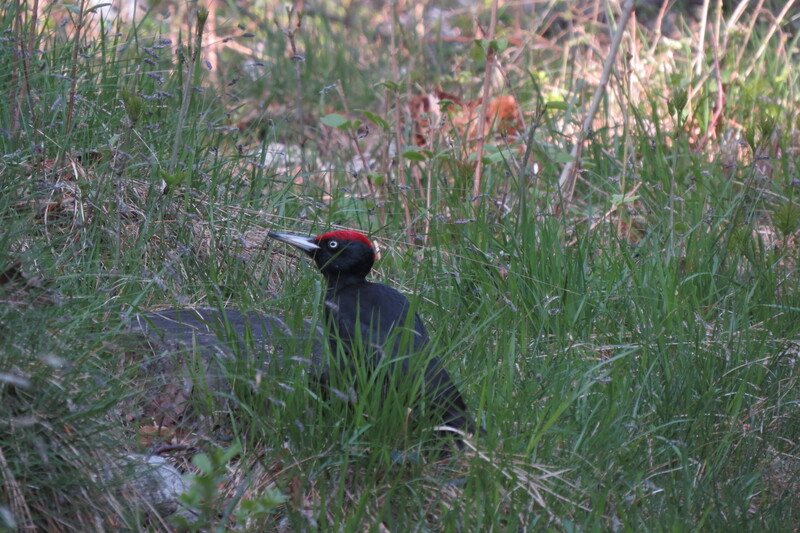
[260, 508]
[203, 498]
[210, 508]
[786, 218]
[676, 106]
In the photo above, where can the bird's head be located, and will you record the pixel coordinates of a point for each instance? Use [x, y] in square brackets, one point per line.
[337, 254]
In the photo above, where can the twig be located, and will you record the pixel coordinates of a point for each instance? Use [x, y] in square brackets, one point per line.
[297, 58]
[16, 497]
[566, 182]
[698, 84]
[712, 126]
[487, 78]
[657, 26]
[20, 77]
[733, 20]
[353, 138]
[701, 40]
[775, 24]
[398, 137]
[748, 33]
[74, 72]
[200, 17]
[169, 448]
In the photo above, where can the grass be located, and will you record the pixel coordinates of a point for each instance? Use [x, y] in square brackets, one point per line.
[631, 348]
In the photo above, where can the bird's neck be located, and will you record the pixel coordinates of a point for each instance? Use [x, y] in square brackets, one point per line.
[339, 282]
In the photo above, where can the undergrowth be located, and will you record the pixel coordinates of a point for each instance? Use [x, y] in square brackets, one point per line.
[625, 330]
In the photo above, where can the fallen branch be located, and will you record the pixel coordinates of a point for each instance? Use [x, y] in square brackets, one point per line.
[487, 78]
[566, 182]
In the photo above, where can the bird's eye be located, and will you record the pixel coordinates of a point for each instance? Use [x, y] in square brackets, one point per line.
[333, 244]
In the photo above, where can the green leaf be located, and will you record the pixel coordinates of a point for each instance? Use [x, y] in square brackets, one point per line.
[173, 180]
[133, 104]
[766, 126]
[376, 179]
[750, 137]
[414, 156]
[261, 507]
[477, 52]
[446, 104]
[415, 153]
[203, 463]
[563, 157]
[392, 86]
[786, 218]
[557, 104]
[375, 119]
[98, 6]
[232, 451]
[495, 45]
[498, 45]
[335, 120]
[618, 199]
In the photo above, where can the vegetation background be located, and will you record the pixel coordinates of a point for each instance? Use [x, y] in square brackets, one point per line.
[602, 239]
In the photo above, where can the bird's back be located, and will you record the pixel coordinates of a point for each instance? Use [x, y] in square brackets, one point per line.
[374, 316]
[373, 320]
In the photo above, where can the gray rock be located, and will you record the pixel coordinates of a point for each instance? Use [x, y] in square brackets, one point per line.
[158, 483]
[147, 482]
[226, 332]
[198, 347]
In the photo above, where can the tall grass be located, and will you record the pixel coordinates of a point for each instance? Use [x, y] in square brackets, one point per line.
[631, 350]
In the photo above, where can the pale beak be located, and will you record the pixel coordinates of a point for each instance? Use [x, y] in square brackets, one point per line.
[306, 244]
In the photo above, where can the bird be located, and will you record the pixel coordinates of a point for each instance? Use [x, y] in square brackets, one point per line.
[373, 320]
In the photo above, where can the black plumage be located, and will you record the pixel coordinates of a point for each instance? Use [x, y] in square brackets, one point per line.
[373, 319]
